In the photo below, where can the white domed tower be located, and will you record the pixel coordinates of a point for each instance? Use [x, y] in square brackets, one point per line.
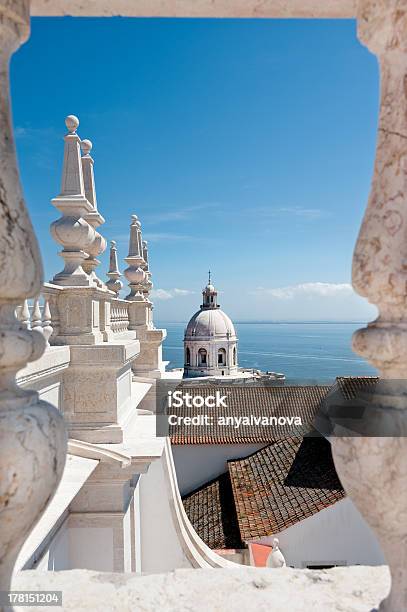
[210, 342]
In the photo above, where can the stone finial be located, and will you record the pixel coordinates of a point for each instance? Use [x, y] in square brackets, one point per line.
[72, 123]
[135, 273]
[86, 146]
[32, 432]
[135, 246]
[114, 284]
[147, 285]
[72, 178]
[94, 218]
[88, 173]
[145, 252]
[72, 231]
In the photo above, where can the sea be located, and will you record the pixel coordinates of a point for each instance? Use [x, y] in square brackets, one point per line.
[307, 353]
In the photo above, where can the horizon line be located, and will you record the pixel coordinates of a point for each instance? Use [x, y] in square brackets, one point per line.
[284, 321]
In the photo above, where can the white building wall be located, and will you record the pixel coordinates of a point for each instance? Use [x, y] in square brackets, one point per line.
[136, 521]
[196, 464]
[56, 556]
[161, 549]
[128, 541]
[91, 548]
[337, 535]
[79, 548]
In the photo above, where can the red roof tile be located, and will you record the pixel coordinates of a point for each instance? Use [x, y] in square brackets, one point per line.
[282, 484]
[211, 510]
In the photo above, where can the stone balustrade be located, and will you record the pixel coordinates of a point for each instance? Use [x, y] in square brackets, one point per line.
[41, 313]
[119, 316]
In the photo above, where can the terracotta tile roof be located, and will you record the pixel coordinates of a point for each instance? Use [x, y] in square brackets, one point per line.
[211, 510]
[303, 401]
[351, 386]
[282, 484]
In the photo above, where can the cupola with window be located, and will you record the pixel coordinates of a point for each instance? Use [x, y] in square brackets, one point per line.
[210, 341]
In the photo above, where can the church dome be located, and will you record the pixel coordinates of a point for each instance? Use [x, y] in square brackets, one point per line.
[210, 342]
[209, 323]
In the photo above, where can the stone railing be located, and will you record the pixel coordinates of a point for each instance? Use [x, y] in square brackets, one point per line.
[41, 312]
[119, 316]
[113, 316]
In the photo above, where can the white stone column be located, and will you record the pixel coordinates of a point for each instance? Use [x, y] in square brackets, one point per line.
[32, 434]
[373, 470]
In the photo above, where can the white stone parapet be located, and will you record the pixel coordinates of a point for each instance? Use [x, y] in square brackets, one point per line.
[332, 9]
[341, 589]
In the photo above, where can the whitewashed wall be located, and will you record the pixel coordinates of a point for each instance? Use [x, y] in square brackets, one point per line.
[161, 550]
[196, 464]
[337, 535]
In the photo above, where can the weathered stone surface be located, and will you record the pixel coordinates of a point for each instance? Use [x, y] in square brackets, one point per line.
[196, 8]
[32, 458]
[379, 264]
[32, 433]
[373, 470]
[350, 589]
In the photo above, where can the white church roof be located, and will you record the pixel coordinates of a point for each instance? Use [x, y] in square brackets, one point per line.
[208, 323]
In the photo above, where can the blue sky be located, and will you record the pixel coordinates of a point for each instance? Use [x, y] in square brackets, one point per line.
[246, 147]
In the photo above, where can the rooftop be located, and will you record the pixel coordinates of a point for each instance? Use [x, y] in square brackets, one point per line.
[212, 512]
[265, 492]
[283, 484]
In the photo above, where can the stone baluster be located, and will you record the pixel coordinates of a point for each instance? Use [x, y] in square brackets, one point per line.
[114, 283]
[135, 273]
[94, 218]
[72, 231]
[46, 321]
[32, 433]
[51, 302]
[373, 469]
[36, 318]
[25, 315]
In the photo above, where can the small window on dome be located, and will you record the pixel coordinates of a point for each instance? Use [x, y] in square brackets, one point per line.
[222, 357]
[202, 357]
[187, 357]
